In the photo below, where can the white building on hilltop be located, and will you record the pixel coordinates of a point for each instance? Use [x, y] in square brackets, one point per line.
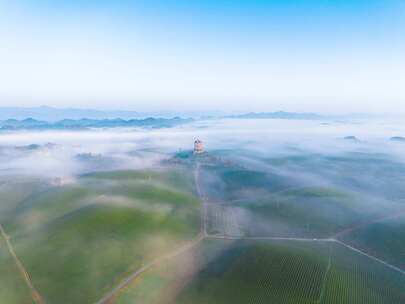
[198, 146]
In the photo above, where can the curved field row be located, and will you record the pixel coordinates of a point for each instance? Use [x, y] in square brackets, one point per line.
[78, 241]
[354, 278]
[221, 271]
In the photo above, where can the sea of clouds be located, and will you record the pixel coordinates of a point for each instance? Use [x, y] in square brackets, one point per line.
[68, 153]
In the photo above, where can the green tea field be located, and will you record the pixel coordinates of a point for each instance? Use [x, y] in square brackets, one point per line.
[267, 272]
[77, 241]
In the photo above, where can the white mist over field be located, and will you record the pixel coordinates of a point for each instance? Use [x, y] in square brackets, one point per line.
[67, 153]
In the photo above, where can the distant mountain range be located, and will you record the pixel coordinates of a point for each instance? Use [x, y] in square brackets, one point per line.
[54, 114]
[79, 124]
[279, 115]
[50, 114]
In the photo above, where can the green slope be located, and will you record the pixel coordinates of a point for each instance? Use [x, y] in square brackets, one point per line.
[219, 272]
[78, 241]
[13, 289]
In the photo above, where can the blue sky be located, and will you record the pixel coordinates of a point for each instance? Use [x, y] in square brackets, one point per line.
[324, 56]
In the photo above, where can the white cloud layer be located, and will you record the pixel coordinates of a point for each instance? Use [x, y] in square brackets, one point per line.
[82, 151]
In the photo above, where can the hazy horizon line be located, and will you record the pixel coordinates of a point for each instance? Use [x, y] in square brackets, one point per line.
[198, 111]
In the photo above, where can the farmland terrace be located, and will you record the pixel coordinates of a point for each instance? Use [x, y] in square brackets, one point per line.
[225, 265]
[246, 240]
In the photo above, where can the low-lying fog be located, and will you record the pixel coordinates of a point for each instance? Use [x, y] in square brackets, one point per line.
[68, 153]
[355, 170]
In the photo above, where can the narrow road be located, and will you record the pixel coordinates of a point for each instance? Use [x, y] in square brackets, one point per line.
[273, 238]
[36, 297]
[220, 237]
[224, 237]
[371, 257]
[325, 277]
[110, 295]
[107, 298]
[203, 200]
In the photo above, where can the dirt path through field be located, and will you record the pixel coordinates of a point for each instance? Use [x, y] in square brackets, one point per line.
[203, 200]
[36, 297]
[371, 257]
[110, 296]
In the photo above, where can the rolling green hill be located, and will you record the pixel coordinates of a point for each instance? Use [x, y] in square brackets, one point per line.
[267, 272]
[78, 240]
[13, 289]
[384, 239]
